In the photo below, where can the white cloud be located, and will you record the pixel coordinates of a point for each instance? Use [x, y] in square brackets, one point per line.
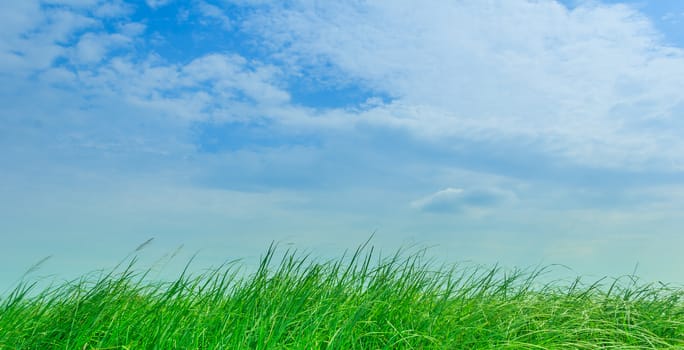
[446, 200]
[231, 73]
[214, 13]
[33, 37]
[112, 9]
[157, 3]
[61, 25]
[673, 17]
[454, 200]
[132, 29]
[214, 86]
[18, 16]
[526, 70]
[93, 48]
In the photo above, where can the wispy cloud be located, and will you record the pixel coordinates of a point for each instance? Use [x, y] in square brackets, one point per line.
[36, 37]
[157, 3]
[93, 48]
[454, 200]
[213, 13]
[113, 9]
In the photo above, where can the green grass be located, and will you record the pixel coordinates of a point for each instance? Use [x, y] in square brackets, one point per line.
[361, 301]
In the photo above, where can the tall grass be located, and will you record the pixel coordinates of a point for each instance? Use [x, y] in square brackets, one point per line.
[362, 301]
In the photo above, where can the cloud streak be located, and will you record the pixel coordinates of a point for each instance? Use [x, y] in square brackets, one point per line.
[454, 200]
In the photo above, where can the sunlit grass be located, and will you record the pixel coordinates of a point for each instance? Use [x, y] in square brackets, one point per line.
[361, 301]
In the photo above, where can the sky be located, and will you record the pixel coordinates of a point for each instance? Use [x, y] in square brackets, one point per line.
[510, 132]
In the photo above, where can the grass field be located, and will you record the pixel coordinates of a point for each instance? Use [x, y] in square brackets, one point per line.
[361, 301]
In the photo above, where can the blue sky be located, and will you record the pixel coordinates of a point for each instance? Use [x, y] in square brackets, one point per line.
[518, 132]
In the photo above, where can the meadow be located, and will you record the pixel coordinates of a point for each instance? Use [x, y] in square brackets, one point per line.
[359, 301]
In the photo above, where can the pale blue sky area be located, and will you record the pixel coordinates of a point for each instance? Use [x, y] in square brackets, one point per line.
[512, 132]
